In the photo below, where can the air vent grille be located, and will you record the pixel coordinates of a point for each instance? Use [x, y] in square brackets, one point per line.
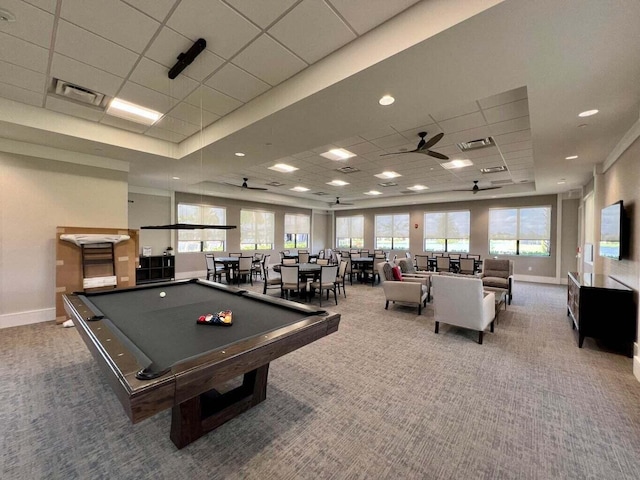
[320, 193]
[388, 184]
[77, 93]
[275, 184]
[501, 168]
[348, 169]
[476, 144]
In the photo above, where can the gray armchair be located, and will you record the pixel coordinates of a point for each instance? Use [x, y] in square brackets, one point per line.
[497, 276]
[409, 290]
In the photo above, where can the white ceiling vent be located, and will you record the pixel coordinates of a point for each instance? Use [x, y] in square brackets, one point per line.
[501, 168]
[476, 144]
[79, 94]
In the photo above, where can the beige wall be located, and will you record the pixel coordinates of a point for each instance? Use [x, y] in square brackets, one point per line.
[36, 196]
[479, 239]
[569, 237]
[151, 210]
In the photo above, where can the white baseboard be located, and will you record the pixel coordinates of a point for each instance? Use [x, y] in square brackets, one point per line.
[196, 274]
[26, 318]
[538, 279]
[636, 367]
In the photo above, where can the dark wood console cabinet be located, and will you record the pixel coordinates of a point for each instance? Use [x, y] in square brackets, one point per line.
[159, 268]
[603, 308]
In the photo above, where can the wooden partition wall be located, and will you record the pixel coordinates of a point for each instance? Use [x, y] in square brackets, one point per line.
[69, 262]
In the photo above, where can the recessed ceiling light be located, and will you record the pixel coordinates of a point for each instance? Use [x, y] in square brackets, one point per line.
[373, 192]
[562, 181]
[338, 183]
[572, 157]
[283, 167]
[386, 100]
[338, 154]
[239, 154]
[456, 164]
[588, 113]
[417, 188]
[176, 178]
[6, 16]
[131, 111]
[388, 175]
[299, 189]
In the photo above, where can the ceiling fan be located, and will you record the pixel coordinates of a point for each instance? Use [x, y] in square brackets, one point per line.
[424, 146]
[338, 202]
[476, 188]
[245, 186]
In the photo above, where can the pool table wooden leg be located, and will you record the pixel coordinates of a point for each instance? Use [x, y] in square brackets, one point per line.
[199, 415]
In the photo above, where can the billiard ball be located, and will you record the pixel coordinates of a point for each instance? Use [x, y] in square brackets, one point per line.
[162, 294]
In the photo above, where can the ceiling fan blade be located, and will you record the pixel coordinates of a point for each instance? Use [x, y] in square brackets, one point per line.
[255, 188]
[396, 153]
[436, 155]
[488, 188]
[432, 141]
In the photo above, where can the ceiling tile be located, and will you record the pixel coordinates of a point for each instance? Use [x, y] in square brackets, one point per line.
[363, 15]
[465, 135]
[225, 31]
[213, 101]
[32, 24]
[176, 125]
[309, 21]
[507, 111]
[88, 48]
[69, 107]
[21, 77]
[347, 142]
[145, 97]
[18, 94]
[268, 60]
[456, 111]
[48, 5]
[123, 124]
[157, 9]
[126, 26]
[513, 137]
[188, 113]
[518, 154]
[153, 75]
[237, 83]
[464, 122]
[512, 147]
[505, 97]
[379, 132]
[262, 13]
[22, 53]
[509, 126]
[390, 141]
[84, 75]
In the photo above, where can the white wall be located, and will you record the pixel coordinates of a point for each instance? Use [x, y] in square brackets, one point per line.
[36, 196]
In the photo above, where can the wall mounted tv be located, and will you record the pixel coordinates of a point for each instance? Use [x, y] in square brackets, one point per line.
[612, 231]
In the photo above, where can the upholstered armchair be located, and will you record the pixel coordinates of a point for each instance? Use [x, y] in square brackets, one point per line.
[497, 276]
[461, 301]
[407, 290]
[409, 271]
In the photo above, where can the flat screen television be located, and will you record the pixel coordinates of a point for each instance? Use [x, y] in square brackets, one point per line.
[612, 231]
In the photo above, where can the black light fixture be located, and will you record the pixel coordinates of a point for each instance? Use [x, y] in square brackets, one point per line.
[187, 226]
[185, 59]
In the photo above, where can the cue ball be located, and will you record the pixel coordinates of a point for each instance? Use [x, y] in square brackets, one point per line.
[162, 294]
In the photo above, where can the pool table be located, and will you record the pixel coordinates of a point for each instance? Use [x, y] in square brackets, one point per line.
[155, 356]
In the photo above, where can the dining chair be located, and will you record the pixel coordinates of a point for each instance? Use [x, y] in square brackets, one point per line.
[220, 269]
[327, 281]
[322, 261]
[289, 261]
[303, 257]
[467, 266]
[245, 268]
[235, 255]
[422, 262]
[443, 264]
[270, 282]
[211, 266]
[290, 280]
[342, 273]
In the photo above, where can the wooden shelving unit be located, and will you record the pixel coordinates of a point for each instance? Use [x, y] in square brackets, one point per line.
[159, 268]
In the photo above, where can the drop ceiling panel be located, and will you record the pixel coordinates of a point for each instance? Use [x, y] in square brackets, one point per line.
[20, 95]
[132, 92]
[32, 24]
[72, 108]
[363, 15]
[395, 140]
[269, 61]
[464, 122]
[83, 75]
[455, 111]
[48, 5]
[262, 13]
[20, 52]
[188, 113]
[157, 9]
[508, 111]
[521, 136]
[123, 124]
[155, 76]
[509, 126]
[513, 147]
[505, 97]
[225, 31]
[300, 29]
[91, 49]
[465, 136]
[176, 125]
[237, 83]
[162, 134]
[126, 26]
[518, 154]
[347, 142]
[21, 77]
[213, 101]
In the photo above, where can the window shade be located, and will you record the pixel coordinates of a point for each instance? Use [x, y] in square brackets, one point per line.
[297, 223]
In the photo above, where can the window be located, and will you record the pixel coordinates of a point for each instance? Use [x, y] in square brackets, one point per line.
[350, 232]
[447, 231]
[201, 240]
[256, 230]
[296, 231]
[520, 231]
[392, 232]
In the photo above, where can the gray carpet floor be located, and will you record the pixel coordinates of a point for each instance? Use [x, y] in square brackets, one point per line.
[382, 398]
